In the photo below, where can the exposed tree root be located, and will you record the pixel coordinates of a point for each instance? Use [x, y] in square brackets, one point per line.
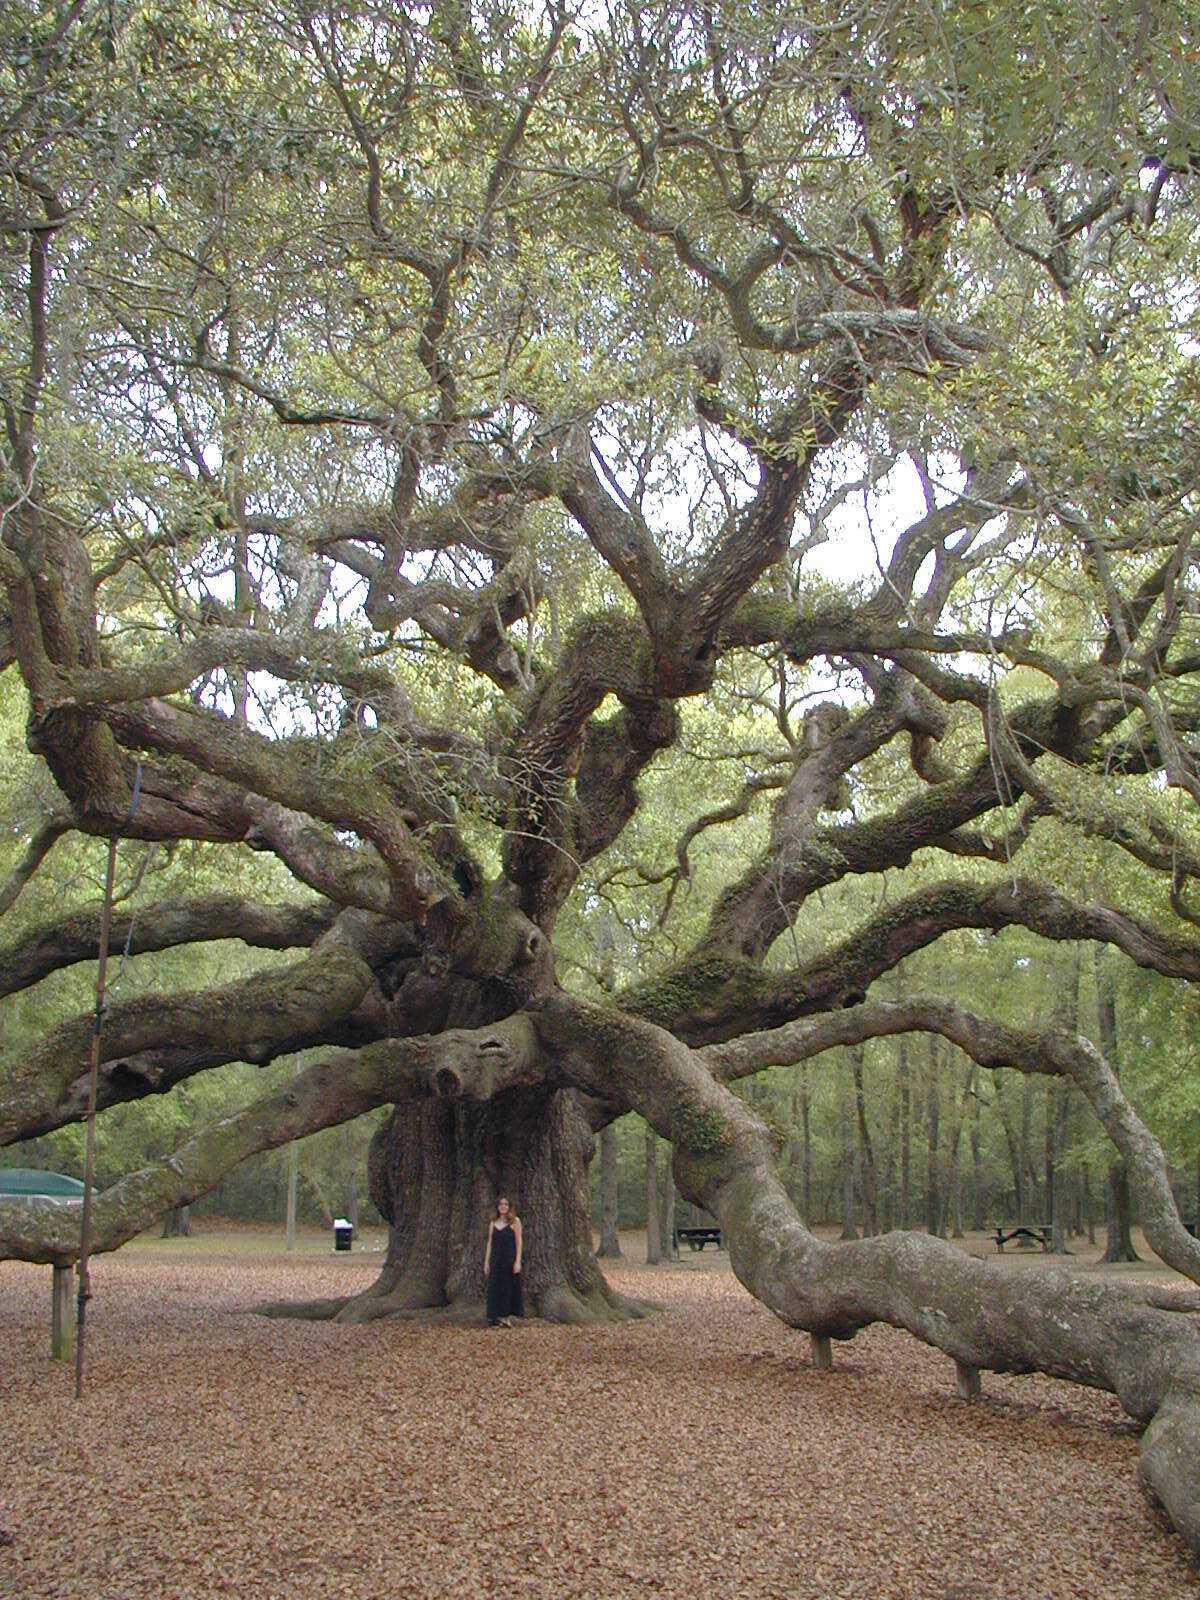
[559, 1303]
[302, 1310]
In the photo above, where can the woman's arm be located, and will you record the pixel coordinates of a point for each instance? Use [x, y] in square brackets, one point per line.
[487, 1253]
[516, 1228]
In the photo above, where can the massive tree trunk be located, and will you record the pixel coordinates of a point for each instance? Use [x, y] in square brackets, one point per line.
[436, 1169]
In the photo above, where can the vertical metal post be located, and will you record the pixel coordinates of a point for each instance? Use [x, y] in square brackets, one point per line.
[85, 1287]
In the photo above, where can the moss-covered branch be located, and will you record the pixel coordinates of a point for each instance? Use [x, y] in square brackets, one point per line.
[162, 926]
[151, 1043]
[715, 995]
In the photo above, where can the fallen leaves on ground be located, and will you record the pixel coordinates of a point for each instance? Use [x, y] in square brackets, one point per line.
[698, 1453]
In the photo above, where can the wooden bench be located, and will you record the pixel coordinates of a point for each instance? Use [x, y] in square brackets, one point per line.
[697, 1238]
[1039, 1235]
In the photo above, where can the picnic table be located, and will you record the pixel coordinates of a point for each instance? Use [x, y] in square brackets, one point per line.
[1038, 1235]
[697, 1238]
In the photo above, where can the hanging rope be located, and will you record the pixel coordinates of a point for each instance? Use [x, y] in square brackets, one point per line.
[85, 1282]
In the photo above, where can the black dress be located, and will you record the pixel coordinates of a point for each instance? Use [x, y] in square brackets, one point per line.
[503, 1285]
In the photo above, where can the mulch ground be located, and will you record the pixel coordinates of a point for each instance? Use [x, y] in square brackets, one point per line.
[698, 1454]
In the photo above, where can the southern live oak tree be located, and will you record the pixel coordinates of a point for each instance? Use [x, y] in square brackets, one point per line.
[425, 423]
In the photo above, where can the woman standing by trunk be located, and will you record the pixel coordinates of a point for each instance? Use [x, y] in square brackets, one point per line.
[502, 1266]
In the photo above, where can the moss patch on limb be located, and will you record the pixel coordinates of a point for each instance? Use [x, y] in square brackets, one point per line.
[692, 995]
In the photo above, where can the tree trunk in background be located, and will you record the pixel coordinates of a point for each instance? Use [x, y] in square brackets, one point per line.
[670, 1250]
[887, 1213]
[1120, 1240]
[653, 1238]
[805, 1147]
[1119, 1246]
[352, 1200]
[1014, 1152]
[933, 1218]
[610, 1244]
[954, 1178]
[1027, 1200]
[177, 1224]
[1058, 1101]
[866, 1150]
[846, 1160]
[293, 1166]
[977, 1206]
[905, 1134]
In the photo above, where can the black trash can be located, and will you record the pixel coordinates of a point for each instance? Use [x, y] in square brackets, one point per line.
[343, 1234]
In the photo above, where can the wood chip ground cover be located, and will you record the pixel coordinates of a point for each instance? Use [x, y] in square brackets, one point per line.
[699, 1453]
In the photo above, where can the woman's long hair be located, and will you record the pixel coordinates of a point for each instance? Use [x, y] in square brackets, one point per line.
[512, 1215]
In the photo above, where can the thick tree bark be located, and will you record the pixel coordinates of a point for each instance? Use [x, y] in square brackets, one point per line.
[436, 1169]
[905, 1133]
[805, 1147]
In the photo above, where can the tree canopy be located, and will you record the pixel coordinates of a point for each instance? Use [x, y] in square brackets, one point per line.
[714, 482]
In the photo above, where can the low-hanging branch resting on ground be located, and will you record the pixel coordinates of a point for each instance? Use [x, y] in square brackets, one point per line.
[985, 1318]
[1055, 1052]
[1147, 1355]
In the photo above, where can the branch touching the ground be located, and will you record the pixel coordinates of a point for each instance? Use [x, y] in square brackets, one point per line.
[983, 1317]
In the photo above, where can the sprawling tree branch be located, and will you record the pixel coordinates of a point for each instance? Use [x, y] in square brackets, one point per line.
[163, 925]
[336, 1089]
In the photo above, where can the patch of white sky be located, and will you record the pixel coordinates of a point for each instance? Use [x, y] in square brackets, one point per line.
[857, 537]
